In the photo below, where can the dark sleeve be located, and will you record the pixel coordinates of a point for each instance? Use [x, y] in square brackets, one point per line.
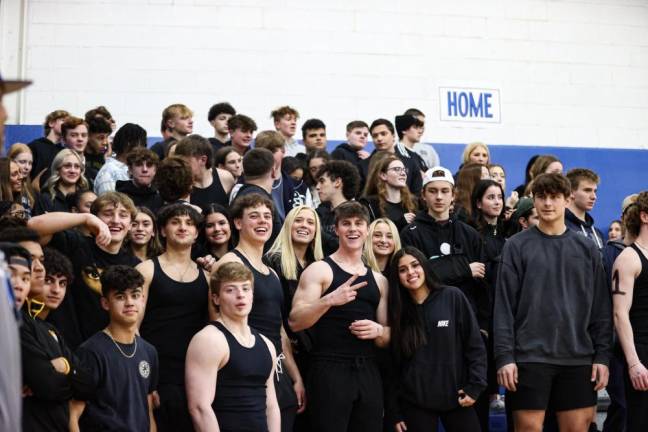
[42, 204]
[38, 372]
[337, 154]
[507, 289]
[82, 377]
[409, 239]
[473, 347]
[67, 241]
[393, 411]
[600, 326]
[415, 181]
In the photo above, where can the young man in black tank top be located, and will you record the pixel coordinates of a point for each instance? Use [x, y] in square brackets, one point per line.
[345, 303]
[630, 296]
[211, 185]
[253, 216]
[176, 292]
[230, 366]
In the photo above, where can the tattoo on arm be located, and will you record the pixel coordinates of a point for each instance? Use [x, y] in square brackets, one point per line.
[615, 284]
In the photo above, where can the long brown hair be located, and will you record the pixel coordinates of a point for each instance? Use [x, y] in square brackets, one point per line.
[467, 178]
[377, 187]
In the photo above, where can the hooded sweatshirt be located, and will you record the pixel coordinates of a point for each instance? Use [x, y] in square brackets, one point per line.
[451, 246]
[345, 152]
[147, 197]
[453, 358]
[586, 228]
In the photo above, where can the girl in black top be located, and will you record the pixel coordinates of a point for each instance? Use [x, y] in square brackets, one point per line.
[386, 193]
[439, 355]
[216, 234]
[67, 176]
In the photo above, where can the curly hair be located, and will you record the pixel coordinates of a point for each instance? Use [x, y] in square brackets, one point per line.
[173, 179]
[632, 218]
[57, 264]
[120, 278]
[345, 171]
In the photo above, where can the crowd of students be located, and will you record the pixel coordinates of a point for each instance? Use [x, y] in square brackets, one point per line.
[243, 282]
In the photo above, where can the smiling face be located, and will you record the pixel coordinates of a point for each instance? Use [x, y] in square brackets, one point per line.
[54, 290]
[303, 227]
[234, 298]
[256, 224]
[180, 231]
[25, 162]
[395, 175]
[241, 139]
[124, 307]
[382, 240]
[77, 138]
[410, 273]
[492, 202]
[142, 229]
[118, 219]
[352, 232]
[217, 229]
[70, 170]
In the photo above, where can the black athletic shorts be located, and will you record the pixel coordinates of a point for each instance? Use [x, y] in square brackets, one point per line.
[543, 386]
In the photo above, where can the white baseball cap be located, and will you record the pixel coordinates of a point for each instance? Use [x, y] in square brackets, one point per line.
[438, 173]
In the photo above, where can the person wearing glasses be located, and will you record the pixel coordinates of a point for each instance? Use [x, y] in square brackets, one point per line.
[386, 193]
[67, 176]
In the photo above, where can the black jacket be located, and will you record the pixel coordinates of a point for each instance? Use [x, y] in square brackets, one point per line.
[43, 151]
[46, 408]
[142, 197]
[585, 228]
[453, 358]
[45, 204]
[453, 267]
[330, 241]
[346, 153]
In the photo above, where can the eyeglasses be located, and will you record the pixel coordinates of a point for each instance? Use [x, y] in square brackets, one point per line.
[398, 170]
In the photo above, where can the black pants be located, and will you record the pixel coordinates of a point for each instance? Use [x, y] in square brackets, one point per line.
[482, 405]
[287, 400]
[173, 412]
[457, 420]
[344, 395]
[615, 420]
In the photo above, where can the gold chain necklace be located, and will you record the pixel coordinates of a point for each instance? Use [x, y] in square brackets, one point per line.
[118, 347]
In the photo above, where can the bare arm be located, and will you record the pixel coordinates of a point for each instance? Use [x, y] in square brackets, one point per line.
[293, 371]
[226, 179]
[76, 410]
[626, 268]
[272, 405]
[146, 269]
[212, 314]
[48, 224]
[151, 405]
[207, 353]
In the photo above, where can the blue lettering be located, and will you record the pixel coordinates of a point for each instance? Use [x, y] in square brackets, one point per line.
[487, 105]
[452, 104]
[463, 104]
[475, 106]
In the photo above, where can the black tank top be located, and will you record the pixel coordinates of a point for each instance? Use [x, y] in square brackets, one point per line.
[240, 402]
[214, 193]
[267, 306]
[175, 312]
[331, 333]
[639, 308]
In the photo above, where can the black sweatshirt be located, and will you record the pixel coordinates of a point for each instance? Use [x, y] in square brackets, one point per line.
[46, 408]
[453, 358]
[453, 268]
[552, 304]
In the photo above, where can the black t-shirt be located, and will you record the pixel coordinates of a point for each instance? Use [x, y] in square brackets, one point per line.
[81, 315]
[123, 384]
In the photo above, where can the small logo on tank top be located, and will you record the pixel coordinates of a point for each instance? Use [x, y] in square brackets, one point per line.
[144, 369]
[443, 323]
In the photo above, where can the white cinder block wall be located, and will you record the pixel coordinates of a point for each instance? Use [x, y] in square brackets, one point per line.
[570, 73]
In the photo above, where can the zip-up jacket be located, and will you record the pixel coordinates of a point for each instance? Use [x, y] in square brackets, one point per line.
[462, 245]
[453, 358]
[585, 228]
[552, 304]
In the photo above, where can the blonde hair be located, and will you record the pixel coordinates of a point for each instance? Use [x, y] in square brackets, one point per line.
[367, 250]
[55, 177]
[283, 245]
[465, 158]
[18, 148]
